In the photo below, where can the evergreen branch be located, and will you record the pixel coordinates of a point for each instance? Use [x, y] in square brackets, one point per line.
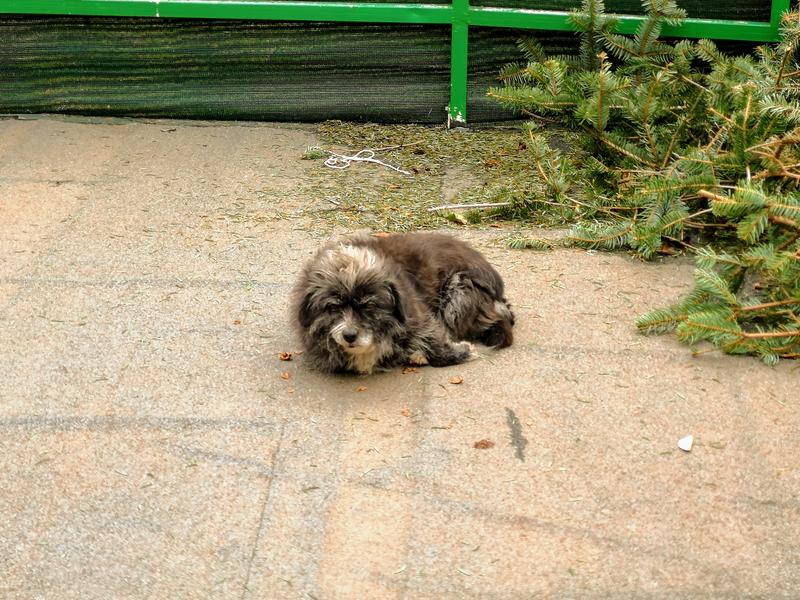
[667, 133]
[725, 118]
[770, 335]
[714, 285]
[626, 152]
[677, 187]
[531, 49]
[612, 238]
[523, 97]
[784, 221]
[766, 305]
[677, 132]
[707, 50]
[688, 217]
[514, 73]
[788, 47]
[661, 321]
[519, 243]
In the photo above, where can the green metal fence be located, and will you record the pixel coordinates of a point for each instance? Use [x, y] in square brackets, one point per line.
[459, 15]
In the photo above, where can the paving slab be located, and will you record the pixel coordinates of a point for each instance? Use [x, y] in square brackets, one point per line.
[153, 445]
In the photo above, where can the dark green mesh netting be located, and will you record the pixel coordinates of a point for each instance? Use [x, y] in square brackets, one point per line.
[263, 70]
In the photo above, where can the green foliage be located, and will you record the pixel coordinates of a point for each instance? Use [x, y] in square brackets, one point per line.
[529, 243]
[681, 143]
[473, 216]
[594, 25]
[314, 153]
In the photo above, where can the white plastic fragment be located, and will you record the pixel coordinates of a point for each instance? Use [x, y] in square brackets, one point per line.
[685, 443]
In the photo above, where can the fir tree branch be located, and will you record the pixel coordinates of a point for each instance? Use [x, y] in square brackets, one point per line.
[713, 196]
[688, 217]
[627, 153]
[769, 335]
[679, 129]
[765, 305]
[672, 143]
[725, 118]
[784, 221]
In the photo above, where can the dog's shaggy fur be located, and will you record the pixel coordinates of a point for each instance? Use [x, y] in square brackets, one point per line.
[365, 303]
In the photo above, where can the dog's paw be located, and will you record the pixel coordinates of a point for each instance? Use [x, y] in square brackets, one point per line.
[417, 359]
[467, 351]
[452, 353]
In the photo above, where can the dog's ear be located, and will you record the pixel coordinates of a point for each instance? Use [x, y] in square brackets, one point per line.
[399, 310]
[304, 314]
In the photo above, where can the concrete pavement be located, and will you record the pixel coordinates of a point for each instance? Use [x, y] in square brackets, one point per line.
[152, 444]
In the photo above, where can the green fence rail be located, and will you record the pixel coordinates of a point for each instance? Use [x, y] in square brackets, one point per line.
[458, 14]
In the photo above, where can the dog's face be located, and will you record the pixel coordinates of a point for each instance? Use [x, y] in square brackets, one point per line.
[357, 316]
[350, 306]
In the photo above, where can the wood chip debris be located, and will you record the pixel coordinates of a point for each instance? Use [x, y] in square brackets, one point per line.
[483, 444]
[285, 375]
[285, 356]
[456, 380]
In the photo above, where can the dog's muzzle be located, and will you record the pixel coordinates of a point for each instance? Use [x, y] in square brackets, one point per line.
[352, 339]
[350, 335]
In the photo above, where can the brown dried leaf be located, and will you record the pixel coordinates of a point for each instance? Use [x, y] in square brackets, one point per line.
[285, 375]
[483, 444]
[285, 356]
[456, 379]
[408, 370]
[361, 388]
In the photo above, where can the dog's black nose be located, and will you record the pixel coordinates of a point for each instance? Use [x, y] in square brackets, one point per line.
[349, 335]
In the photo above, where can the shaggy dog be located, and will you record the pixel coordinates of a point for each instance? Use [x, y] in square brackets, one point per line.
[365, 303]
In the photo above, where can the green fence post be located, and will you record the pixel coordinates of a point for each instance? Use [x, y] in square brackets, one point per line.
[459, 42]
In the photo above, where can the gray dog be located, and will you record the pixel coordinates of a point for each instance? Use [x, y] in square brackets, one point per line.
[366, 303]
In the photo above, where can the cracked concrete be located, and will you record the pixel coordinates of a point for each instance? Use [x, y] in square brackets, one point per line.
[149, 447]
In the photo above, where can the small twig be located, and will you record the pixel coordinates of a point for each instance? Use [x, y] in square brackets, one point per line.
[728, 120]
[479, 205]
[712, 196]
[681, 242]
[687, 217]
